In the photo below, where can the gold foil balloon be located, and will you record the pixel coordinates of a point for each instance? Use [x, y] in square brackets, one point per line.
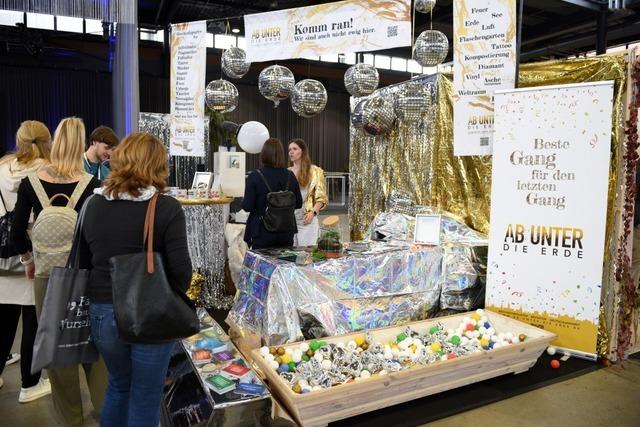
[431, 48]
[276, 83]
[234, 63]
[425, 6]
[412, 102]
[377, 115]
[309, 98]
[221, 95]
[361, 79]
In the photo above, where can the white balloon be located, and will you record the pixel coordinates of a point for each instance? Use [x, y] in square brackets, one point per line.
[252, 136]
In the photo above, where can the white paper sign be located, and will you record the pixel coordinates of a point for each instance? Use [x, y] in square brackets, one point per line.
[328, 29]
[548, 208]
[188, 70]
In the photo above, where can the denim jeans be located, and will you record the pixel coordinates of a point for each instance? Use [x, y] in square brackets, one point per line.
[136, 373]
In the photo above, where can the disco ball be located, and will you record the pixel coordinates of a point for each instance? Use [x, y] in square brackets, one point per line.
[425, 6]
[276, 83]
[431, 48]
[221, 95]
[412, 102]
[361, 79]
[234, 63]
[356, 116]
[309, 98]
[377, 115]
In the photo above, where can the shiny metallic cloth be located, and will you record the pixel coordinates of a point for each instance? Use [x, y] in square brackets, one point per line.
[401, 202]
[431, 48]
[221, 95]
[276, 83]
[309, 98]
[234, 63]
[361, 79]
[205, 237]
[356, 115]
[389, 285]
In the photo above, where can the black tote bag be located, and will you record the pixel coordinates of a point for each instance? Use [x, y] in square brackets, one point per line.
[147, 308]
[64, 331]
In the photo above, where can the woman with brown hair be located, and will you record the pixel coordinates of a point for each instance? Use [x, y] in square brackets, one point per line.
[33, 147]
[312, 186]
[272, 176]
[113, 225]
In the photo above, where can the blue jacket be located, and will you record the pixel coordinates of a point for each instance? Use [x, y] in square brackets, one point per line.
[255, 202]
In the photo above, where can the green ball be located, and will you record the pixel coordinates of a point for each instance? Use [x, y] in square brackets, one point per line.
[292, 366]
[314, 345]
[305, 357]
[455, 340]
[433, 330]
[322, 343]
[401, 337]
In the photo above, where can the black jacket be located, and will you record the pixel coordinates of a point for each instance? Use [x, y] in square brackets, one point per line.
[255, 202]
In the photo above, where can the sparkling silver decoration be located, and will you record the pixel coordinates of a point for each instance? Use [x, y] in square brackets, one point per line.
[309, 98]
[377, 115]
[425, 6]
[356, 116]
[276, 83]
[412, 102]
[205, 237]
[431, 48]
[234, 63]
[361, 79]
[221, 95]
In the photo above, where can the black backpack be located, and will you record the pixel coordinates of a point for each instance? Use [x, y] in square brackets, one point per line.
[279, 217]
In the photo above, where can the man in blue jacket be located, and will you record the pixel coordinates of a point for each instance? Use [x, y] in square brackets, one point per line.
[101, 142]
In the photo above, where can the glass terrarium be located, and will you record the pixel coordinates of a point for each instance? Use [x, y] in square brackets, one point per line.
[329, 242]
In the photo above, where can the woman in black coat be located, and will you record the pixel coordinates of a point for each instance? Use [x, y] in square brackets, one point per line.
[255, 196]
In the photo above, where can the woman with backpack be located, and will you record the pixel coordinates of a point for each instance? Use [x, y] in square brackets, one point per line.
[33, 145]
[271, 222]
[61, 183]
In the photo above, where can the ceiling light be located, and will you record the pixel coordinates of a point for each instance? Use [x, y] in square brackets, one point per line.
[235, 30]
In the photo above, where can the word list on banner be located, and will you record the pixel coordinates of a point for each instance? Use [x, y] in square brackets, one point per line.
[188, 72]
[549, 208]
[484, 60]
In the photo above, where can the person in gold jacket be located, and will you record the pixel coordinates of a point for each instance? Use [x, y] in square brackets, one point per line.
[314, 196]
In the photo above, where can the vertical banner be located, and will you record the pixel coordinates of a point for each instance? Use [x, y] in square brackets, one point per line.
[548, 209]
[328, 29]
[484, 60]
[188, 69]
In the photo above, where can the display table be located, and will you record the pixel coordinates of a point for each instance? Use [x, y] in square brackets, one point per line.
[391, 284]
[206, 220]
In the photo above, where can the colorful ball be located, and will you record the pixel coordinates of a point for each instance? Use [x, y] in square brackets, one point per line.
[555, 364]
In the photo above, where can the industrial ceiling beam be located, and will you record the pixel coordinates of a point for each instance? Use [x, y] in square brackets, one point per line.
[595, 6]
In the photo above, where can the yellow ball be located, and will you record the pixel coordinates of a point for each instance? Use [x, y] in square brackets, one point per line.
[475, 316]
[484, 342]
[286, 358]
[435, 347]
[359, 341]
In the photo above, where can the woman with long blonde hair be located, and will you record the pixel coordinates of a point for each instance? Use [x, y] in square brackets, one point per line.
[33, 145]
[62, 175]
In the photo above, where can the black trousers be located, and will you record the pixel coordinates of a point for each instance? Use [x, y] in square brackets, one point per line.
[9, 316]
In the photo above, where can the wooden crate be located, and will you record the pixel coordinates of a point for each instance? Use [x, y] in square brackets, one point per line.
[320, 407]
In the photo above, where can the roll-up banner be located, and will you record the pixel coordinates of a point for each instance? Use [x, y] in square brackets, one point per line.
[548, 209]
[188, 72]
[328, 29]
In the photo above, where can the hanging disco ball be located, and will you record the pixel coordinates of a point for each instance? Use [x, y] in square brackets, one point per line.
[234, 63]
[377, 115]
[425, 6]
[309, 98]
[276, 83]
[221, 95]
[431, 48]
[357, 116]
[412, 102]
[361, 79]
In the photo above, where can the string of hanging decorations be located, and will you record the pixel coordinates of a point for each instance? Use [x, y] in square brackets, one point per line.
[121, 11]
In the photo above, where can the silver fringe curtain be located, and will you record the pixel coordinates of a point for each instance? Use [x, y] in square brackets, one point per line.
[121, 11]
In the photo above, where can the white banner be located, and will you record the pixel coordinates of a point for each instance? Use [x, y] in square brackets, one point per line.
[548, 208]
[328, 29]
[484, 60]
[188, 70]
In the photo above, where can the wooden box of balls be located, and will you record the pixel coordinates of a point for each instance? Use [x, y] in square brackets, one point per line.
[332, 378]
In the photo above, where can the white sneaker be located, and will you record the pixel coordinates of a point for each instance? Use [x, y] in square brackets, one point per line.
[12, 358]
[39, 390]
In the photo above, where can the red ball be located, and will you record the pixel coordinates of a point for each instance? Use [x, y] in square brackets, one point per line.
[469, 327]
[555, 364]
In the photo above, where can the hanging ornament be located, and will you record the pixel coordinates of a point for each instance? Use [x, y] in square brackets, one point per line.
[377, 115]
[221, 95]
[309, 98]
[425, 6]
[234, 63]
[361, 79]
[252, 136]
[357, 116]
[431, 48]
[412, 102]
[276, 83]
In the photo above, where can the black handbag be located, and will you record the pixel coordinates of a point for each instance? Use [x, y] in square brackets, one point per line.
[279, 216]
[7, 248]
[147, 308]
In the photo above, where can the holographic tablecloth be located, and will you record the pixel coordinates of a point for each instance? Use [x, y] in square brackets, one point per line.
[388, 285]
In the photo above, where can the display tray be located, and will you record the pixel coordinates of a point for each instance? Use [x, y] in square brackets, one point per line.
[321, 407]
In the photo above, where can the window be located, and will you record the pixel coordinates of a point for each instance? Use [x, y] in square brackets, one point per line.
[222, 41]
[382, 61]
[93, 26]
[414, 67]
[347, 58]
[398, 64]
[39, 20]
[209, 40]
[10, 17]
[66, 23]
[242, 43]
[367, 58]
[329, 58]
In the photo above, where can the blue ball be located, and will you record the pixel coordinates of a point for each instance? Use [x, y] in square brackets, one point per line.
[491, 343]
[487, 325]
[284, 368]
